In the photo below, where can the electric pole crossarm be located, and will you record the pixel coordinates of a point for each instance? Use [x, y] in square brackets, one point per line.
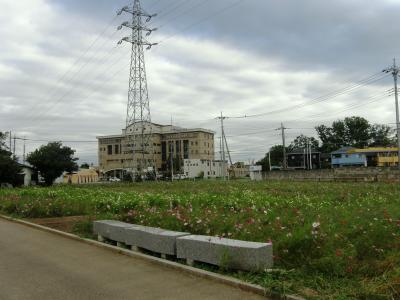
[136, 27]
[136, 13]
[133, 41]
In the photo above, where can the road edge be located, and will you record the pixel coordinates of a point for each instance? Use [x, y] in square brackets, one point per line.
[230, 281]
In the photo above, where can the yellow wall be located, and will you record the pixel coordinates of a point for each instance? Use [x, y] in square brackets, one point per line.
[82, 177]
[386, 161]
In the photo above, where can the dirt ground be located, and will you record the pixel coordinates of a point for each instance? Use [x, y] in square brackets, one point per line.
[65, 224]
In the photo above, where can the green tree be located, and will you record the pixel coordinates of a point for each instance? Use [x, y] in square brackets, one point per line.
[352, 131]
[381, 135]
[52, 160]
[276, 153]
[3, 137]
[85, 166]
[302, 141]
[9, 168]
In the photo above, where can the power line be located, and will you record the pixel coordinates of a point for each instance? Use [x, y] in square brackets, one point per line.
[78, 60]
[372, 99]
[72, 88]
[36, 117]
[182, 13]
[326, 97]
[224, 9]
[55, 140]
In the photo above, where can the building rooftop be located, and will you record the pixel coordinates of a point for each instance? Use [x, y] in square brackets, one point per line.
[343, 150]
[161, 129]
[375, 150]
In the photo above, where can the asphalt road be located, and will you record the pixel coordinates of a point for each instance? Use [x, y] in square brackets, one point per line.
[38, 265]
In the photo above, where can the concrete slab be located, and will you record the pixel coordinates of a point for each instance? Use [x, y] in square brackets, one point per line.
[153, 239]
[234, 254]
[110, 229]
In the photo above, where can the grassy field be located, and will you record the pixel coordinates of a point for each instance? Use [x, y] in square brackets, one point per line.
[331, 240]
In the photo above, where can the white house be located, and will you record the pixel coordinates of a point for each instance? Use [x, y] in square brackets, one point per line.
[256, 173]
[209, 168]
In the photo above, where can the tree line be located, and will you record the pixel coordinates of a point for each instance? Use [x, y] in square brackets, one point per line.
[352, 131]
[50, 161]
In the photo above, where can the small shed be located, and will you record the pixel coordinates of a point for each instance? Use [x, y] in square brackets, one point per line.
[27, 173]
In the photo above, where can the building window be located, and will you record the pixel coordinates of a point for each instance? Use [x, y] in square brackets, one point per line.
[109, 149]
[185, 149]
[116, 149]
[164, 151]
[178, 148]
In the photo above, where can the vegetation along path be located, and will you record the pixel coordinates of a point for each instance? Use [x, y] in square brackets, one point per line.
[331, 240]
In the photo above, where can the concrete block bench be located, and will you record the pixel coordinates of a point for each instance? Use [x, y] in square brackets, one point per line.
[112, 230]
[153, 239]
[234, 254]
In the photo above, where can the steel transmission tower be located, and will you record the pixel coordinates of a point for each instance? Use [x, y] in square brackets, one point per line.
[138, 117]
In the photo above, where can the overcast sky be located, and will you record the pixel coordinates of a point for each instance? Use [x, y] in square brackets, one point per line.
[62, 77]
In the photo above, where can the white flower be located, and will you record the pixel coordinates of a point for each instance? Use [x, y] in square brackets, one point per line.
[316, 224]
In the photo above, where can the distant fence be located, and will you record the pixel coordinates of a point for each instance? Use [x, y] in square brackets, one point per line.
[357, 174]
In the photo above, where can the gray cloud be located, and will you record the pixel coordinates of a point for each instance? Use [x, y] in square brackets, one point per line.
[258, 56]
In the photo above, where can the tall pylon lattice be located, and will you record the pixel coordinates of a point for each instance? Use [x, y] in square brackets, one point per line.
[138, 118]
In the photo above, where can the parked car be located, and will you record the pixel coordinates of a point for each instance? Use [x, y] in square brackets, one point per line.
[114, 179]
[180, 177]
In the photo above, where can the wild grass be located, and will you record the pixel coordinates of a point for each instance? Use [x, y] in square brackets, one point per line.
[331, 240]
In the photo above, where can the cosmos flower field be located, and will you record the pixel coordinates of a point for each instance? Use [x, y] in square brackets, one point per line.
[330, 240]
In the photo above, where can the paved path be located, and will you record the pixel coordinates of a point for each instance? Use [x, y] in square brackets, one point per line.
[40, 265]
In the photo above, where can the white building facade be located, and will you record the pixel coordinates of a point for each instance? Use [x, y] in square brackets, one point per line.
[194, 168]
[256, 173]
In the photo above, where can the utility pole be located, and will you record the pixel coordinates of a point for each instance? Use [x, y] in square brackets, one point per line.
[394, 70]
[171, 154]
[24, 153]
[269, 160]
[222, 118]
[310, 147]
[138, 117]
[14, 144]
[229, 155]
[9, 135]
[282, 129]
[220, 155]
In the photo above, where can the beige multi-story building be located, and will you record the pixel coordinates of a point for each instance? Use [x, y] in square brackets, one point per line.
[116, 151]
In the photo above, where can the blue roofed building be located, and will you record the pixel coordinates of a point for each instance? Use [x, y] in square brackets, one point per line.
[344, 157]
